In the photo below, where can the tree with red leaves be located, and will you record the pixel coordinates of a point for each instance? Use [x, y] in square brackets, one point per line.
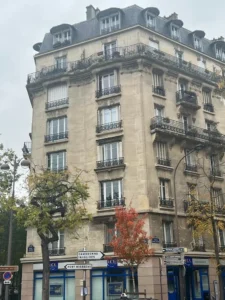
[130, 241]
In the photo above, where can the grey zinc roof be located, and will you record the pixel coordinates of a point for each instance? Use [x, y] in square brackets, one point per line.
[132, 16]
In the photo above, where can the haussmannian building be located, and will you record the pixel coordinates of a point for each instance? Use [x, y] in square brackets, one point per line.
[124, 95]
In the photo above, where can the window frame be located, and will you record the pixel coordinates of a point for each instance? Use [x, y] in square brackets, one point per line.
[111, 27]
[153, 18]
[194, 196]
[50, 125]
[61, 62]
[49, 160]
[162, 150]
[101, 116]
[206, 95]
[171, 238]
[62, 38]
[157, 78]
[101, 84]
[61, 233]
[102, 150]
[164, 189]
[177, 36]
[217, 194]
[220, 53]
[198, 47]
[104, 188]
[189, 157]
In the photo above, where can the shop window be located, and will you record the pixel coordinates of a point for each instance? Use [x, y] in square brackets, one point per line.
[197, 284]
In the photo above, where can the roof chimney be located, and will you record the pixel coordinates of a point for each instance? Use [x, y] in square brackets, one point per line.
[173, 16]
[91, 12]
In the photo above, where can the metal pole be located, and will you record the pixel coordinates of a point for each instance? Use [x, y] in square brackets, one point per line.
[9, 250]
[84, 281]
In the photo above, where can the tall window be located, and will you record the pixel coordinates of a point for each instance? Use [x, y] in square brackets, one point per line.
[214, 165]
[110, 23]
[168, 232]
[110, 151]
[57, 96]
[217, 195]
[206, 94]
[186, 122]
[110, 232]
[158, 87]
[175, 32]
[197, 43]
[202, 63]
[164, 192]
[57, 247]
[150, 20]
[182, 85]
[111, 191]
[179, 55]
[109, 49]
[109, 115]
[221, 234]
[61, 62]
[220, 53]
[57, 161]
[192, 192]
[190, 160]
[107, 81]
[162, 154]
[57, 129]
[159, 110]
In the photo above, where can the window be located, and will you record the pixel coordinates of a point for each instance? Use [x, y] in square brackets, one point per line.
[159, 110]
[158, 83]
[179, 55]
[110, 232]
[110, 151]
[221, 234]
[154, 44]
[109, 49]
[220, 53]
[57, 96]
[207, 100]
[192, 192]
[164, 189]
[61, 62]
[182, 85]
[57, 247]
[168, 232]
[150, 20]
[56, 129]
[110, 24]
[109, 115]
[162, 154]
[175, 32]
[62, 37]
[210, 126]
[217, 195]
[197, 43]
[202, 63]
[108, 84]
[214, 166]
[57, 161]
[111, 192]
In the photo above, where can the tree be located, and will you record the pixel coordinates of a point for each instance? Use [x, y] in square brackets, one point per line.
[56, 203]
[130, 244]
[203, 211]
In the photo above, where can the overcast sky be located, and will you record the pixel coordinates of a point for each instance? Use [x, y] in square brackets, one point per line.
[23, 23]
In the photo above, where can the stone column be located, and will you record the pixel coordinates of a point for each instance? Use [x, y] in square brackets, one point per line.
[27, 282]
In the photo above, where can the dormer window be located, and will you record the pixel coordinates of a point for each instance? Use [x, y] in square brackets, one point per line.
[220, 53]
[110, 24]
[197, 43]
[175, 32]
[62, 37]
[150, 20]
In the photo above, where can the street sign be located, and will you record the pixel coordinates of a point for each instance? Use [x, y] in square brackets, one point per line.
[86, 255]
[175, 250]
[9, 268]
[155, 240]
[7, 276]
[78, 267]
[7, 282]
[174, 260]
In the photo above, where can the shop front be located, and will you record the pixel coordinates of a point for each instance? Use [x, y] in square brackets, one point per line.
[197, 278]
[173, 283]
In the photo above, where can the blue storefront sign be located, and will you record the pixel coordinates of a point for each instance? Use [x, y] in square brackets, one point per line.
[112, 263]
[188, 261]
[53, 266]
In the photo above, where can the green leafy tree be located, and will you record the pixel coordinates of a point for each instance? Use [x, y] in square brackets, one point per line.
[57, 202]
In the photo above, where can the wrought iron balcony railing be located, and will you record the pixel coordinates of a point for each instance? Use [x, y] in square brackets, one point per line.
[191, 168]
[56, 103]
[55, 137]
[164, 202]
[137, 50]
[26, 148]
[108, 91]
[169, 244]
[158, 90]
[107, 248]
[108, 126]
[186, 97]
[111, 203]
[195, 204]
[197, 247]
[209, 107]
[163, 161]
[178, 128]
[110, 163]
[215, 172]
[57, 251]
[110, 29]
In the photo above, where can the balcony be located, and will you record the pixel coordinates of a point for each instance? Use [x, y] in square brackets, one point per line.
[191, 168]
[167, 203]
[56, 137]
[110, 203]
[26, 149]
[163, 161]
[108, 91]
[215, 172]
[57, 251]
[110, 163]
[169, 244]
[177, 129]
[133, 51]
[220, 209]
[187, 99]
[108, 126]
[57, 169]
[57, 104]
[196, 205]
[197, 247]
[159, 90]
[107, 248]
[209, 107]
[222, 248]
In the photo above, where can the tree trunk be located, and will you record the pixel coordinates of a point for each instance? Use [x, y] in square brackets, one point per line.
[46, 270]
[132, 273]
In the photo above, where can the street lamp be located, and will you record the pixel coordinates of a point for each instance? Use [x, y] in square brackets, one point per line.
[181, 277]
[6, 167]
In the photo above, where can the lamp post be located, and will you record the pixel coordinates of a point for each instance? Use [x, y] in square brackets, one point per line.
[5, 167]
[181, 277]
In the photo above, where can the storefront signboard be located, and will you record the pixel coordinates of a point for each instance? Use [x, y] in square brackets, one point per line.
[54, 266]
[175, 260]
[112, 263]
[188, 262]
[115, 288]
[78, 267]
[200, 261]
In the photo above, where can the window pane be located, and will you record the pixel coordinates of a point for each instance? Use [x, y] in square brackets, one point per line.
[114, 150]
[108, 193]
[197, 286]
[116, 190]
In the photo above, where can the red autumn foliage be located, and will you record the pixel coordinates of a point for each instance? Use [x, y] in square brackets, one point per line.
[130, 245]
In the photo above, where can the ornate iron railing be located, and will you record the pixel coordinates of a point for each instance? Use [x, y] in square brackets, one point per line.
[138, 50]
[111, 203]
[187, 97]
[56, 103]
[174, 127]
[163, 161]
[108, 126]
[215, 172]
[108, 91]
[191, 168]
[26, 148]
[158, 90]
[57, 251]
[166, 202]
[209, 107]
[56, 137]
[110, 163]
[107, 248]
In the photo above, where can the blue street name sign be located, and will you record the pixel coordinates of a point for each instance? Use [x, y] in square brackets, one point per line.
[155, 240]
